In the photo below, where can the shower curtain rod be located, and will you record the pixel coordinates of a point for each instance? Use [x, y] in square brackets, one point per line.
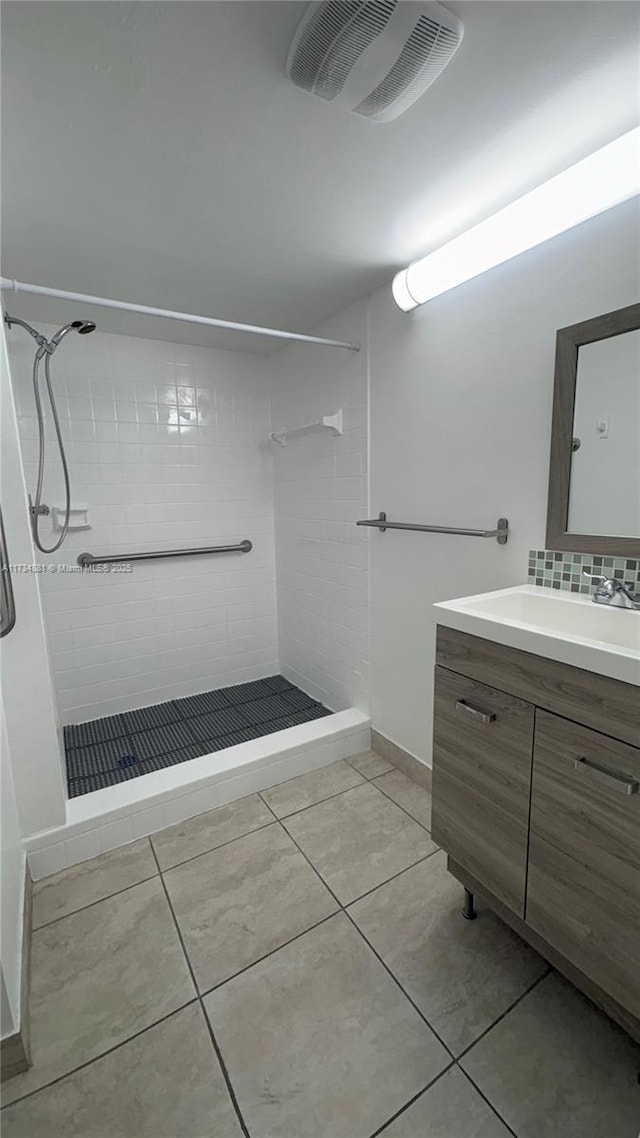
[170, 314]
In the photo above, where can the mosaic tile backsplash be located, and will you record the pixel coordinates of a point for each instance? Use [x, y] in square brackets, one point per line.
[564, 570]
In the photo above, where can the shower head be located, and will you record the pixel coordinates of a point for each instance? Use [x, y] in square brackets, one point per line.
[83, 327]
[44, 345]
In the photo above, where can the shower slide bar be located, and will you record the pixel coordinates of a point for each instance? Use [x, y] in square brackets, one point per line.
[501, 532]
[170, 314]
[86, 560]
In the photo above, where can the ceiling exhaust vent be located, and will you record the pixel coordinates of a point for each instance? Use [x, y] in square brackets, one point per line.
[372, 57]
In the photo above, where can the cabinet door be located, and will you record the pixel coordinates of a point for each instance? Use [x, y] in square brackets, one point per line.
[483, 741]
[583, 891]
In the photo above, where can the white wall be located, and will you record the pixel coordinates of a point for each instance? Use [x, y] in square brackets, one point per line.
[26, 680]
[605, 471]
[166, 444]
[461, 394]
[11, 898]
[320, 490]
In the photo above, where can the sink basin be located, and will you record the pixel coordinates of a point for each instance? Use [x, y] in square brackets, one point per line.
[559, 625]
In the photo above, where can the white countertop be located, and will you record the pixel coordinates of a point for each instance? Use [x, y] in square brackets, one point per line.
[559, 625]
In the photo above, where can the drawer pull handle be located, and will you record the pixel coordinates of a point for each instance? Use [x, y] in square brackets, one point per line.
[616, 780]
[481, 716]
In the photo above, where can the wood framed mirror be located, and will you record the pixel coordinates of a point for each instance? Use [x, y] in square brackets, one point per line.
[594, 469]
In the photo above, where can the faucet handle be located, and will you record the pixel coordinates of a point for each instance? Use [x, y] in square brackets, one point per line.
[597, 578]
[605, 586]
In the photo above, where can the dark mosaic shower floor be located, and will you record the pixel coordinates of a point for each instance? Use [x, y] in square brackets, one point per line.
[104, 752]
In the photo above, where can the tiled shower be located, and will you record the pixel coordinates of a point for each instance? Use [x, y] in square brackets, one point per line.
[168, 447]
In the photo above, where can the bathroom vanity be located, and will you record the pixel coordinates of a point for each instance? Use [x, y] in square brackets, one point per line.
[536, 777]
[536, 747]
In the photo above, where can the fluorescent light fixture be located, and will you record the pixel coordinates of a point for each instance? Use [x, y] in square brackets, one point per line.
[597, 183]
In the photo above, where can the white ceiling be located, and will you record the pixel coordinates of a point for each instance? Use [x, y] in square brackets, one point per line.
[156, 152]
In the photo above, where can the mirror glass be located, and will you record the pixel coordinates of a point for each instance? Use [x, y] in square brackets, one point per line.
[604, 495]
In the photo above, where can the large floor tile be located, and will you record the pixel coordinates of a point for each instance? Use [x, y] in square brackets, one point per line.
[206, 831]
[370, 764]
[555, 1065]
[97, 977]
[411, 797]
[81, 885]
[319, 1041]
[310, 788]
[165, 1083]
[358, 840]
[451, 1108]
[461, 974]
[236, 904]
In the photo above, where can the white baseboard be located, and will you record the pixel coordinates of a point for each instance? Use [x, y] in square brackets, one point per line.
[414, 768]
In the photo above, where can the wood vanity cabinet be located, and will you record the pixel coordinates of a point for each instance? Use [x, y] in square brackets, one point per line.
[536, 800]
[483, 739]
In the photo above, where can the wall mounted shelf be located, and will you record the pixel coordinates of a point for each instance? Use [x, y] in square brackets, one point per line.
[331, 423]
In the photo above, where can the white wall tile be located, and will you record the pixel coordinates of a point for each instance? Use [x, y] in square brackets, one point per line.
[163, 461]
[320, 491]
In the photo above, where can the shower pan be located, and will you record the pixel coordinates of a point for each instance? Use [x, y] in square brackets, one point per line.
[104, 752]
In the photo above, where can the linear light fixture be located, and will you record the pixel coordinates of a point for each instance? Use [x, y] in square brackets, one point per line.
[604, 179]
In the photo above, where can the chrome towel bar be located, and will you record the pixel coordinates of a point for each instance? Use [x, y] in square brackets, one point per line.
[501, 532]
[86, 560]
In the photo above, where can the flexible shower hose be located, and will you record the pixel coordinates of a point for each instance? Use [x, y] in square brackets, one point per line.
[41, 440]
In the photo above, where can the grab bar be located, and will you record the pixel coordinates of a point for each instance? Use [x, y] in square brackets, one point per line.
[7, 602]
[501, 532]
[86, 560]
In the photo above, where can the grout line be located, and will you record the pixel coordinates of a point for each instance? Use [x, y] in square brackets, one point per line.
[96, 1058]
[365, 781]
[502, 1015]
[225, 1073]
[214, 1042]
[229, 841]
[374, 782]
[272, 952]
[358, 930]
[199, 997]
[396, 981]
[309, 862]
[454, 1060]
[488, 1101]
[91, 904]
[360, 896]
[393, 877]
[264, 801]
[320, 802]
[411, 1101]
[400, 807]
[367, 777]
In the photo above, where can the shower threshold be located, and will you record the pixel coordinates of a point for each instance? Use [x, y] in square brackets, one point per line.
[104, 752]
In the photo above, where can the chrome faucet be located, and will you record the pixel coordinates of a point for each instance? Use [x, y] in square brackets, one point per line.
[610, 591]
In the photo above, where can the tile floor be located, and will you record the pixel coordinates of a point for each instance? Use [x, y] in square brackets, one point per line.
[294, 965]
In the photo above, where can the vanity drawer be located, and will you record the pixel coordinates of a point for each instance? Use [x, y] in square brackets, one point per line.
[483, 741]
[602, 703]
[583, 890]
